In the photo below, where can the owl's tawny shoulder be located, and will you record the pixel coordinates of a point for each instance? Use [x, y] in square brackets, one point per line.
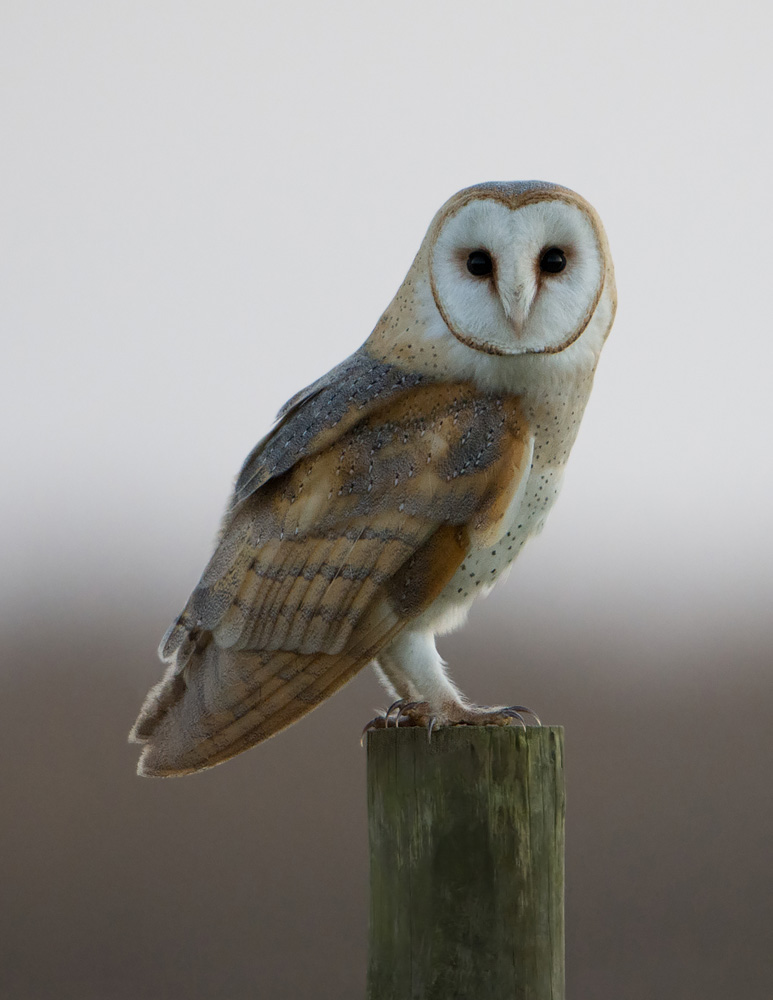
[382, 422]
[313, 418]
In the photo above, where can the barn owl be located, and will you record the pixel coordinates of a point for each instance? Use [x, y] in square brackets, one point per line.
[397, 488]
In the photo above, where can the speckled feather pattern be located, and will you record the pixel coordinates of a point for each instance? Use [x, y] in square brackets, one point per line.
[330, 406]
[395, 489]
[374, 524]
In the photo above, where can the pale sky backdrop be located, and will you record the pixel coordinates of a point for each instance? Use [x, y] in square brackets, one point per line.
[205, 206]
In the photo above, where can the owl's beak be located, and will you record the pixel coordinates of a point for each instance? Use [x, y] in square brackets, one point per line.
[517, 300]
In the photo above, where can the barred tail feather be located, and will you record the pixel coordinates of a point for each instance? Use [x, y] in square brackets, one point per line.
[225, 701]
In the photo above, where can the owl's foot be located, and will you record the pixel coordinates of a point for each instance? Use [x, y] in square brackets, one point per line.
[420, 713]
[473, 715]
[385, 721]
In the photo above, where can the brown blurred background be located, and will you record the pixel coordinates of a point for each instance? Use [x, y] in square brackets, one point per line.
[204, 207]
[251, 879]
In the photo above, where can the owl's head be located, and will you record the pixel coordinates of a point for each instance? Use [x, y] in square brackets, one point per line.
[517, 268]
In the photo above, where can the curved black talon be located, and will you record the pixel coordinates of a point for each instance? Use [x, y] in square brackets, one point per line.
[373, 724]
[514, 714]
[395, 705]
[523, 708]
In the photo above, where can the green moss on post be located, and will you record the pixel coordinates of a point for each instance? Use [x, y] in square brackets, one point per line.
[466, 864]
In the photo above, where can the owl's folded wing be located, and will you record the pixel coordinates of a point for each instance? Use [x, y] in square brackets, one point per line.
[325, 560]
[319, 414]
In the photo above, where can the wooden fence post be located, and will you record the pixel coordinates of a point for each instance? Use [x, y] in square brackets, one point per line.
[466, 863]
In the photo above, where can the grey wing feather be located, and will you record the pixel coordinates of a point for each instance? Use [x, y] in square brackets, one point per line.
[345, 393]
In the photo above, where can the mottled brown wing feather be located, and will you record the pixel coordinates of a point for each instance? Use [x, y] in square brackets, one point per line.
[321, 567]
[320, 413]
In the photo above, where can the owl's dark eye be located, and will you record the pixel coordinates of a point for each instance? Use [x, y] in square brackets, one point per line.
[479, 263]
[553, 260]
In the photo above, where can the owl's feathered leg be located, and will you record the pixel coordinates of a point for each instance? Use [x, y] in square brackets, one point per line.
[415, 671]
[388, 684]
[412, 670]
[413, 674]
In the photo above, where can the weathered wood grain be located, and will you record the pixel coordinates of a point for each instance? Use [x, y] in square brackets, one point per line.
[467, 864]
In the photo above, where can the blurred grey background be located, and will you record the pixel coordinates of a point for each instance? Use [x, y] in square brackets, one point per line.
[203, 208]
